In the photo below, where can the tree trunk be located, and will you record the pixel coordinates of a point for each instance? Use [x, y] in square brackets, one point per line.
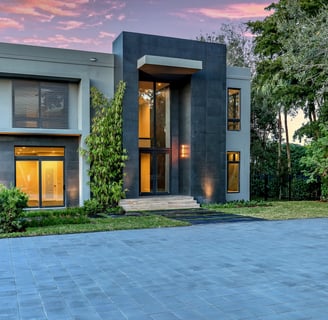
[279, 156]
[289, 163]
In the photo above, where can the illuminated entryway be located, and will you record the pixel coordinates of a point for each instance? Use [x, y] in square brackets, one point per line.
[154, 137]
[40, 174]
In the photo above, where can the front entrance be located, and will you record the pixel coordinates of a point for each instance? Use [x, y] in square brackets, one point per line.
[154, 137]
[40, 174]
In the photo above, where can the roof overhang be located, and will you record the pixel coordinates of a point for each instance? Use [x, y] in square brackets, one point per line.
[157, 65]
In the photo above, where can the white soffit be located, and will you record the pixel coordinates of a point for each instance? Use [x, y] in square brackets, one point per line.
[165, 65]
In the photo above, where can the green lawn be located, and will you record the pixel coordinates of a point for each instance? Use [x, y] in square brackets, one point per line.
[281, 210]
[276, 210]
[100, 224]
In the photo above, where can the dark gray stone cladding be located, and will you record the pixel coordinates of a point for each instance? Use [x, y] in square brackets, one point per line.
[198, 113]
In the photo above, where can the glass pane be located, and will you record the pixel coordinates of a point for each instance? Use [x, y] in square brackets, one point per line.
[145, 172]
[40, 151]
[233, 171]
[27, 179]
[233, 177]
[52, 183]
[53, 102]
[40, 104]
[234, 109]
[162, 115]
[26, 104]
[146, 101]
[163, 171]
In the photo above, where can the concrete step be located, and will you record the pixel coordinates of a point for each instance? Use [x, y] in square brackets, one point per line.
[153, 203]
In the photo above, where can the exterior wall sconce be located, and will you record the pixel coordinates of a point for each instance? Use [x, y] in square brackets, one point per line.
[184, 151]
[93, 59]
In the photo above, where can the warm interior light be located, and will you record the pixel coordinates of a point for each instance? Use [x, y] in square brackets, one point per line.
[184, 151]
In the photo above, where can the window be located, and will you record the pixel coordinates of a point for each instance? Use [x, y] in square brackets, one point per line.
[40, 104]
[233, 159]
[154, 137]
[40, 174]
[233, 109]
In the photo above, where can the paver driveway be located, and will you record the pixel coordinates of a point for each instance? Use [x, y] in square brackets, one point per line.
[252, 270]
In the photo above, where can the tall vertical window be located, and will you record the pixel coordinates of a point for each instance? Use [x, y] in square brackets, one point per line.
[233, 109]
[233, 165]
[154, 137]
[40, 104]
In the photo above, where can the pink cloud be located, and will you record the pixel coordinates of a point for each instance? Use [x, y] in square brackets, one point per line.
[233, 11]
[114, 4]
[121, 17]
[10, 23]
[103, 34]
[69, 25]
[43, 8]
[59, 41]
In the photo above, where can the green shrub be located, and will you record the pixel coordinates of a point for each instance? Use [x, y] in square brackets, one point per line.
[12, 203]
[93, 209]
[42, 218]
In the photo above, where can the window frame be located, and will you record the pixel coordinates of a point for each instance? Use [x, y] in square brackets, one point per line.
[41, 86]
[40, 159]
[234, 123]
[233, 162]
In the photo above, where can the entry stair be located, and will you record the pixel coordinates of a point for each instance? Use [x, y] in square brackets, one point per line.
[156, 203]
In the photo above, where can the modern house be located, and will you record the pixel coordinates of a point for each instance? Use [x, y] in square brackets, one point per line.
[186, 119]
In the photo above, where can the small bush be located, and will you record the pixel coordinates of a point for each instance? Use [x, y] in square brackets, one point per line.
[93, 209]
[12, 203]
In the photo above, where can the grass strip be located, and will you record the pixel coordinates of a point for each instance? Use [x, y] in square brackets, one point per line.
[100, 224]
[279, 210]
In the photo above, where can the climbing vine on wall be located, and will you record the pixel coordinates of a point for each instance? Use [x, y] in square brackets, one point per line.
[104, 150]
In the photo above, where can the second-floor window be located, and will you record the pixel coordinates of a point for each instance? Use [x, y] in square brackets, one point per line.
[40, 104]
[233, 109]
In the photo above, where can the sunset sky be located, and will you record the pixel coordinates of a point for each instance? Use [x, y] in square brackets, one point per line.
[94, 24]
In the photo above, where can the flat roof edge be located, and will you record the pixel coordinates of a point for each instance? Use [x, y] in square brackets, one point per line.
[169, 62]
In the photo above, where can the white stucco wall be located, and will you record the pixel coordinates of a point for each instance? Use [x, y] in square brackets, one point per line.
[240, 140]
[80, 68]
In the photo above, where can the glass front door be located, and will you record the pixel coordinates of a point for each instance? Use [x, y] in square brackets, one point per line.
[40, 174]
[154, 137]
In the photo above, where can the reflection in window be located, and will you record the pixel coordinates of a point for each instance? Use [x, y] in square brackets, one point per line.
[233, 159]
[233, 109]
[154, 115]
[40, 104]
[154, 136]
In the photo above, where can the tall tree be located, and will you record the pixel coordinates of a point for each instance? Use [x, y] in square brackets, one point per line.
[286, 91]
[239, 46]
[306, 57]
